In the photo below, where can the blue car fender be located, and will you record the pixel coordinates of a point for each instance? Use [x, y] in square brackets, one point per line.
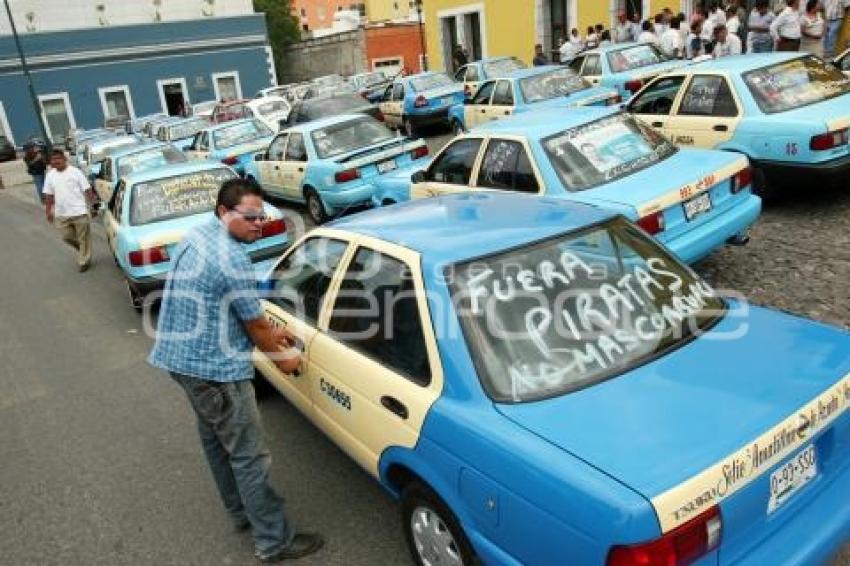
[456, 113]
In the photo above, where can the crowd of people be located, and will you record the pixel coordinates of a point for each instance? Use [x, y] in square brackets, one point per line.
[725, 29]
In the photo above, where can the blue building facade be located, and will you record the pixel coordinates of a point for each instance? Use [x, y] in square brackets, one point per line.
[84, 77]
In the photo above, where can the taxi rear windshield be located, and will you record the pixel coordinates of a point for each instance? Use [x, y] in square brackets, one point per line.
[177, 196]
[634, 58]
[604, 150]
[349, 136]
[795, 83]
[502, 67]
[430, 81]
[239, 133]
[561, 82]
[155, 157]
[188, 129]
[569, 312]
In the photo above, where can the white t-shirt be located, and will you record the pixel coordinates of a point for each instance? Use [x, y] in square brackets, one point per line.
[671, 41]
[733, 24]
[648, 37]
[732, 46]
[568, 51]
[68, 188]
[786, 25]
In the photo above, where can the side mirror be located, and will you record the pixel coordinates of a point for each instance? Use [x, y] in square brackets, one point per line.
[418, 177]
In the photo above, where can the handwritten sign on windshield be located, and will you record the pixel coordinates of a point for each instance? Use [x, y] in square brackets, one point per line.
[177, 196]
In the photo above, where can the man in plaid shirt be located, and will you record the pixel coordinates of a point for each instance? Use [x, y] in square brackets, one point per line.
[209, 322]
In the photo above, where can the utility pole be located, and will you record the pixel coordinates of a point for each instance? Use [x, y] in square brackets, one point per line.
[35, 105]
[421, 35]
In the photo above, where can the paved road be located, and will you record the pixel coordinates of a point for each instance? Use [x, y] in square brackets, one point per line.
[100, 460]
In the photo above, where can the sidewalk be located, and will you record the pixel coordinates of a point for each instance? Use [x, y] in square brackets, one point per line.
[15, 181]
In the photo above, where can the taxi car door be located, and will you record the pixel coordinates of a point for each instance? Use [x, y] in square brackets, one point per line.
[654, 104]
[294, 166]
[112, 217]
[451, 171]
[592, 69]
[475, 113]
[707, 114]
[271, 177]
[502, 103]
[103, 183]
[376, 369]
[294, 301]
[506, 166]
[393, 105]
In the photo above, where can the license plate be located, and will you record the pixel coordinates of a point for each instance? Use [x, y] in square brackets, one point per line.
[385, 166]
[792, 476]
[700, 204]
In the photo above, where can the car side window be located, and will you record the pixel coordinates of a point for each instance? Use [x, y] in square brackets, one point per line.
[115, 201]
[506, 166]
[592, 67]
[303, 277]
[295, 150]
[576, 64]
[708, 95]
[106, 169]
[455, 164]
[376, 313]
[203, 144]
[398, 91]
[460, 74]
[388, 94]
[277, 147]
[658, 99]
[503, 95]
[472, 73]
[482, 95]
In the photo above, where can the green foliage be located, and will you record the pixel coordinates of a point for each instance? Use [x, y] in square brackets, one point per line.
[283, 28]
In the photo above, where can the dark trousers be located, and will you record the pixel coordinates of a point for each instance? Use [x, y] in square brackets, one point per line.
[786, 44]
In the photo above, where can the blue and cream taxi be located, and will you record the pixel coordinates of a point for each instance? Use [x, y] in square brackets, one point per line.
[234, 142]
[123, 160]
[789, 113]
[694, 201]
[476, 72]
[91, 153]
[150, 211]
[560, 389]
[419, 100]
[332, 164]
[181, 133]
[624, 66]
[538, 88]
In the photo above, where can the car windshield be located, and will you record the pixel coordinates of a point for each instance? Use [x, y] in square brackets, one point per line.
[204, 107]
[634, 57]
[604, 150]
[502, 67]
[333, 105]
[372, 79]
[272, 107]
[239, 133]
[97, 153]
[349, 136]
[176, 196]
[187, 129]
[430, 81]
[154, 157]
[569, 312]
[560, 82]
[795, 83]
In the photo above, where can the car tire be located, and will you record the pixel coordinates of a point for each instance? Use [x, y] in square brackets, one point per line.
[409, 129]
[433, 533]
[457, 128]
[760, 184]
[137, 301]
[315, 207]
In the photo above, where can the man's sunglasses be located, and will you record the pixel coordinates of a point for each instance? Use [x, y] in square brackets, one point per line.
[251, 216]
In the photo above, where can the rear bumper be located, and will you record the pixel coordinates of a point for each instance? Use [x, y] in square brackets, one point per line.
[785, 172]
[429, 117]
[339, 198]
[695, 244]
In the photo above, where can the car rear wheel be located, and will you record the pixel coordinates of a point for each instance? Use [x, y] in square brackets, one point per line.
[433, 534]
[457, 127]
[315, 207]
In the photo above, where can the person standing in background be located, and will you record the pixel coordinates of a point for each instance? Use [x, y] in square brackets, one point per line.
[68, 199]
[36, 164]
[671, 41]
[623, 29]
[759, 39]
[694, 46]
[785, 29]
[725, 43]
[733, 24]
[833, 11]
[539, 57]
[812, 28]
[592, 39]
[646, 34]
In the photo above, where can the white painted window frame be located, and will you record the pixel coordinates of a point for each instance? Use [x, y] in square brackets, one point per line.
[377, 60]
[461, 11]
[160, 83]
[69, 110]
[104, 90]
[227, 74]
[4, 121]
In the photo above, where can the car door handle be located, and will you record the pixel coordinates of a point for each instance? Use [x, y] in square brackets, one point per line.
[658, 124]
[483, 111]
[300, 169]
[720, 128]
[507, 112]
[395, 406]
[276, 168]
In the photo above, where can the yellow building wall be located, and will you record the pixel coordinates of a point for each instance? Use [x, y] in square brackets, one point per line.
[844, 36]
[505, 29]
[592, 12]
[380, 10]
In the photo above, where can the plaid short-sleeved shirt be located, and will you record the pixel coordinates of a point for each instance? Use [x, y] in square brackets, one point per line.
[211, 290]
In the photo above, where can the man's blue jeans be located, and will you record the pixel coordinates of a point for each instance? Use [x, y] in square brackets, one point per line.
[38, 181]
[833, 28]
[232, 438]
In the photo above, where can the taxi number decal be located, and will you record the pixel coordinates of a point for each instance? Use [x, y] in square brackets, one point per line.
[342, 399]
[688, 191]
[684, 140]
[791, 148]
[275, 321]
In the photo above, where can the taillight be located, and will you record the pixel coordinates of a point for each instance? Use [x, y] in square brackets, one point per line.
[419, 152]
[379, 116]
[273, 228]
[829, 140]
[148, 256]
[232, 160]
[634, 86]
[683, 545]
[420, 101]
[652, 223]
[616, 99]
[742, 180]
[347, 175]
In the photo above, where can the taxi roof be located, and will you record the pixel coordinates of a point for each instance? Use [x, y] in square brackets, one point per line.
[172, 170]
[122, 150]
[747, 62]
[531, 71]
[543, 123]
[439, 227]
[221, 125]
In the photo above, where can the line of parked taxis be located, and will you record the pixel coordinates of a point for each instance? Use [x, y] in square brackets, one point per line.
[512, 341]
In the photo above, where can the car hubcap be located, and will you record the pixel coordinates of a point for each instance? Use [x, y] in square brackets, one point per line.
[315, 208]
[434, 542]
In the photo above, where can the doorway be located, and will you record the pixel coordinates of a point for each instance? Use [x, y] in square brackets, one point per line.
[173, 95]
[461, 29]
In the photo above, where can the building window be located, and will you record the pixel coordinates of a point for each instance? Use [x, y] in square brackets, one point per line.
[305, 27]
[320, 12]
[58, 115]
[227, 86]
[390, 66]
[116, 104]
[303, 13]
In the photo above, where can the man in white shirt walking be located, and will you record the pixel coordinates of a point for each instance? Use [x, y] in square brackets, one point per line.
[785, 29]
[68, 199]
